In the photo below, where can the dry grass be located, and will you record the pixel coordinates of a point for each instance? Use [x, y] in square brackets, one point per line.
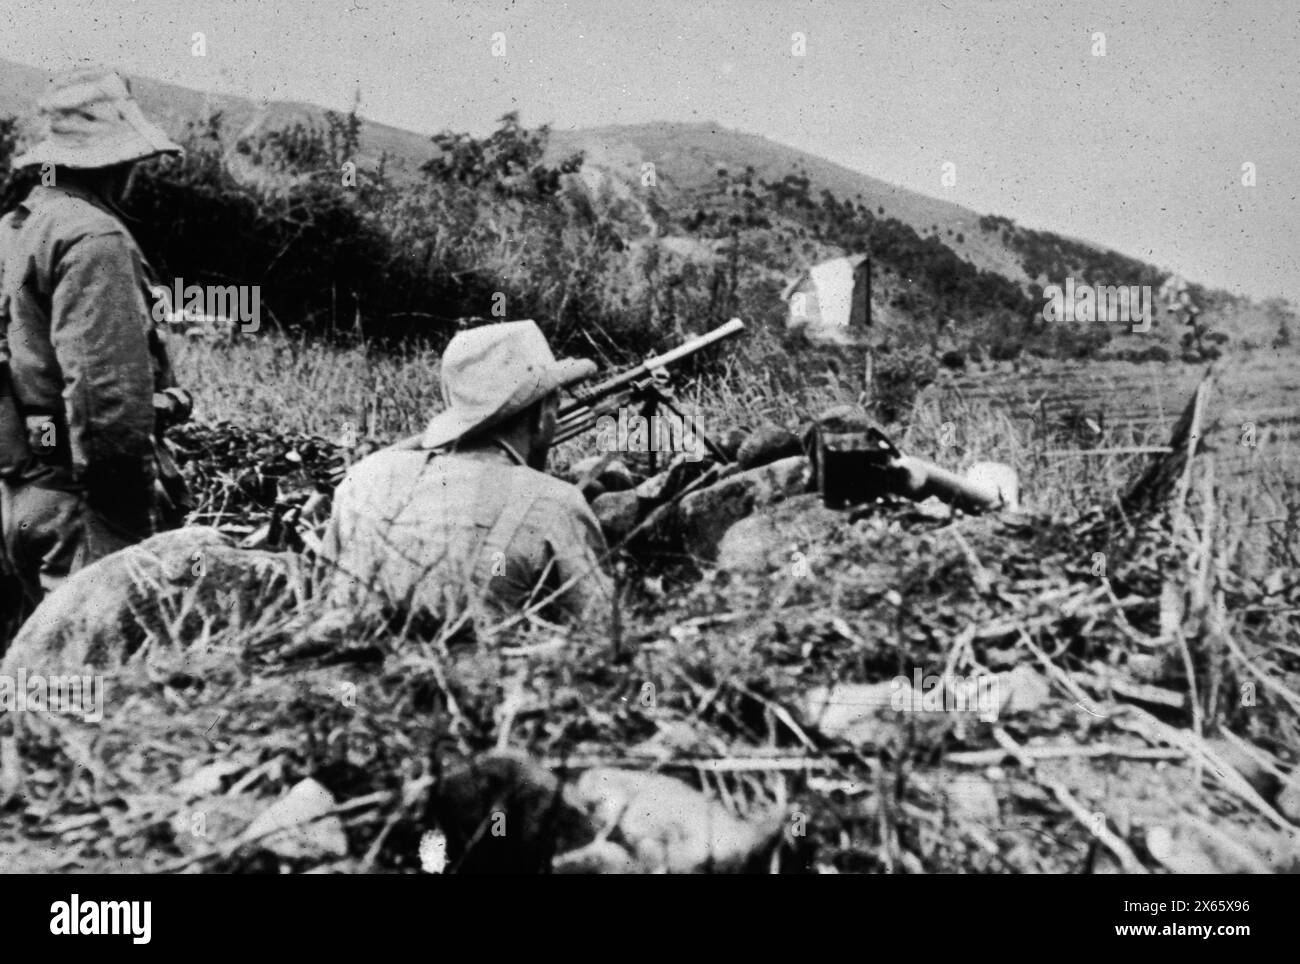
[728, 660]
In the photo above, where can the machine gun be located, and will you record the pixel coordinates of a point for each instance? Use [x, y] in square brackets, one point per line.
[855, 463]
[647, 387]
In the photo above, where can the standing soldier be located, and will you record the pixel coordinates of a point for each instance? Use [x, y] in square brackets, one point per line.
[84, 378]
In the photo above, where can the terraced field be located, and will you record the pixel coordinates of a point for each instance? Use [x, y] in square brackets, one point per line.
[1253, 416]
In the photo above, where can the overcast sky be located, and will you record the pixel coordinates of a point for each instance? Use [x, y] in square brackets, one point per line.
[1141, 148]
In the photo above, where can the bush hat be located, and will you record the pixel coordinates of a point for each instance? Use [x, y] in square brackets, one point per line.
[493, 372]
[89, 119]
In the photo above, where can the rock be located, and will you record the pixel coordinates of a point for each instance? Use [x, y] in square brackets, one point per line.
[201, 823]
[706, 515]
[674, 738]
[932, 508]
[766, 445]
[971, 798]
[585, 466]
[863, 714]
[1192, 846]
[1022, 690]
[618, 514]
[617, 477]
[679, 474]
[668, 826]
[297, 839]
[504, 813]
[209, 780]
[598, 857]
[175, 587]
[769, 538]
[598, 474]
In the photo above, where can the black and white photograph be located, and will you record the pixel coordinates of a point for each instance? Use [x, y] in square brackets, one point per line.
[565, 437]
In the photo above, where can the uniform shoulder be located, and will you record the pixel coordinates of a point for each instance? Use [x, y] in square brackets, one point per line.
[553, 489]
[383, 464]
[73, 217]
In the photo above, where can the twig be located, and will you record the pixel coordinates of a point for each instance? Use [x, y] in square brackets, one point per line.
[1140, 721]
[1121, 450]
[1127, 860]
[979, 758]
[734, 764]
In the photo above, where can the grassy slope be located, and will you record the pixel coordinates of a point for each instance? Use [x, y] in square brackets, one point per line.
[893, 593]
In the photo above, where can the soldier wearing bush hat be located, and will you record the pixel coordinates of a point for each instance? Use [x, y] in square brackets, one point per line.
[462, 519]
[85, 377]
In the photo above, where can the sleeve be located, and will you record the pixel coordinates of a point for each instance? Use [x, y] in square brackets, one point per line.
[579, 551]
[98, 330]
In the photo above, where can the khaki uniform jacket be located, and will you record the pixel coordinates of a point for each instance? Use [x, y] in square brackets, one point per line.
[439, 534]
[81, 340]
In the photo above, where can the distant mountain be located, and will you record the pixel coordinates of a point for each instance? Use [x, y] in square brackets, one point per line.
[686, 158]
[173, 106]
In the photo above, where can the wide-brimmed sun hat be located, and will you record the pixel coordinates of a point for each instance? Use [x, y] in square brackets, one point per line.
[88, 119]
[493, 372]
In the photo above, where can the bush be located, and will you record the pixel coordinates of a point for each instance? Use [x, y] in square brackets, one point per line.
[899, 375]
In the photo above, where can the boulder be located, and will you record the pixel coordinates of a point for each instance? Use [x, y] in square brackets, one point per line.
[618, 513]
[597, 474]
[705, 516]
[1192, 846]
[730, 442]
[299, 825]
[680, 473]
[616, 477]
[175, 587]
[1022, 690]
[768, 539]
[863, 714]
[663, 826]
[766, 445]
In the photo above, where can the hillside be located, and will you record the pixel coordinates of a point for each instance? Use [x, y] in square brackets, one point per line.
[686, 157]
[940, 271]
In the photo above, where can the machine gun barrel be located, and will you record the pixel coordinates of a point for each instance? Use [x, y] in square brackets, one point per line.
[580, 414]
